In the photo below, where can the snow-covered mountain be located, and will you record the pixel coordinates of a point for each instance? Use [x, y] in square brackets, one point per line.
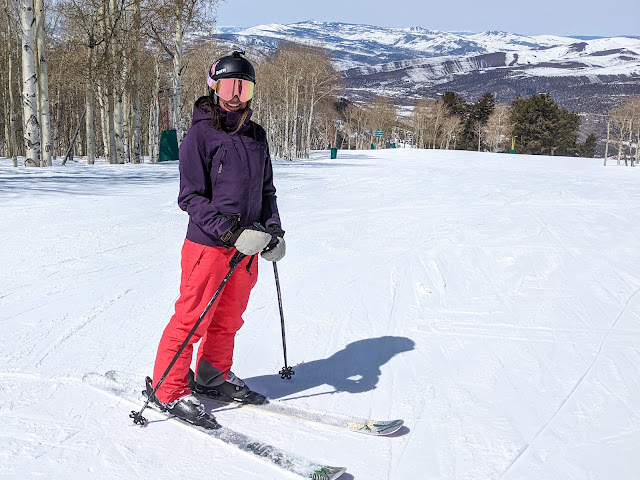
[584, 73]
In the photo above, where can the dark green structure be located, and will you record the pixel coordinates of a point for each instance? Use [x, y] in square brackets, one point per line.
[168, 146]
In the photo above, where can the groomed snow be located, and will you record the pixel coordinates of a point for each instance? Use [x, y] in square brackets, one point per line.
[490, 300]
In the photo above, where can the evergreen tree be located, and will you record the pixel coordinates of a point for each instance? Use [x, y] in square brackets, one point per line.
[478, 116]
[455, 104]
[588, 148]
[542, 127]
[472, 116]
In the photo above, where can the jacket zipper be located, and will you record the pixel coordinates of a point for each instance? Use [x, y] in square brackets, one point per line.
[248, 164]
[215, 187]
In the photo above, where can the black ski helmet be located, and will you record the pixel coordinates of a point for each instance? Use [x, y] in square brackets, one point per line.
[231, 66]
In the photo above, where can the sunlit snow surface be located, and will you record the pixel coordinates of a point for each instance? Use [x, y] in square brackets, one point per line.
[489, 300]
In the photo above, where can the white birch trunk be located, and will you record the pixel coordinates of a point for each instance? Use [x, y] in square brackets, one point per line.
[103, 123]
[13, 144]
[637, 142]
[150, 140]
[155, 106]
[113, 152]
[109, 123]
[177, 79]
[286, 155]
[91, 153]
[7, 142]
[126, 127]
[630, 147]
[29, 87]
[606, 148]
[118, 136]
[55, 139]
[116, 88]
[620, 143]
[309, 122]
[136, 151]
[89, 109]
[43, 86]
[294, 137]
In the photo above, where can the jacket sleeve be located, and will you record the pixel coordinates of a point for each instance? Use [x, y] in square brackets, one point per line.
[195, 189]
[269, 214]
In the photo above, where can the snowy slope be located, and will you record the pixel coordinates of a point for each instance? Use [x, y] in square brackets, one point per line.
[489, 300]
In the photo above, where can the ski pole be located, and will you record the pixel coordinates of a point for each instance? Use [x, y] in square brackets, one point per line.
[286, 371]
[138, 419]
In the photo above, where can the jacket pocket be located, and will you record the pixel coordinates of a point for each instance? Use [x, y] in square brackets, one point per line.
[218, 174]
[191, 263]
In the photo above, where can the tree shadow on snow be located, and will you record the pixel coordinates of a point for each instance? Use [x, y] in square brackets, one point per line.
[355, 369]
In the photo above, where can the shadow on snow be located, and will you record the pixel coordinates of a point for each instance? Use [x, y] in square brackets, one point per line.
[355, 369]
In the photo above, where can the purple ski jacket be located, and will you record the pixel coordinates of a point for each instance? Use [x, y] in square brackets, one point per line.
[226, 181]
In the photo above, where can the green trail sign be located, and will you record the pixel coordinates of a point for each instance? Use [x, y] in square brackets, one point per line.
[378, 133]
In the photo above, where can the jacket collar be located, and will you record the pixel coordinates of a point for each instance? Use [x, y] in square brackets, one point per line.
[229, 120]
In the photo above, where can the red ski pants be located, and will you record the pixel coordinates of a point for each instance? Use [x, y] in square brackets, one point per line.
[203, 270]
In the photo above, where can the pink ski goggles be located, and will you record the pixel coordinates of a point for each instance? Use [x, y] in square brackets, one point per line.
[227, 88]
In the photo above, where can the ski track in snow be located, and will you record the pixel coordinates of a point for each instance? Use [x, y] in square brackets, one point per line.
[489, 300]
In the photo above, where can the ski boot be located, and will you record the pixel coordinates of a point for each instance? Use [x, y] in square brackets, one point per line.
[187, 408]
[233, 390]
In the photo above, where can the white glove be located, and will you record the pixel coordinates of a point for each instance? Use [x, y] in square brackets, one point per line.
[276, 252]
[250, 241]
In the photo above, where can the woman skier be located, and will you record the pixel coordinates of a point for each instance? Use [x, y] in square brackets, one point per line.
[226, 187]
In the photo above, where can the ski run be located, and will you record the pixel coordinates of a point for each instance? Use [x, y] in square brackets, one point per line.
[490, 301]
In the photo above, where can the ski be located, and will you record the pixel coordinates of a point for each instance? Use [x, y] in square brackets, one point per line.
[354, 424]
[112, 382]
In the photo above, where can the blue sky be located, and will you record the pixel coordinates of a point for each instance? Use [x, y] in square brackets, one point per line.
[559, 17]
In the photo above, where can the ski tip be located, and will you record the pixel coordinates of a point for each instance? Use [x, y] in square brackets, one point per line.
[328, 473]
[387, 428]
[373, 427]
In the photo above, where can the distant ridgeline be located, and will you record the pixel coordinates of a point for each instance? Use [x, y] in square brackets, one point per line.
[583, 74]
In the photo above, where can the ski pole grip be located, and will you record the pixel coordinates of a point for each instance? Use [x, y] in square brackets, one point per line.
[236, 259]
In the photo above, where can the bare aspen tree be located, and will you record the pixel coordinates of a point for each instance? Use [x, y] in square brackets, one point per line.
[177, 64]
[497, 129]
[89, 103]
[356, 124]
[137, 20]
[11, 137]
[29, 87]
[105, 20]
[56, 124]
[174, 17]
[118, 76]
[43, 85]
[154, 111]
[291, 84]
[83, 19]
[321, 79]
[606, 149]
[426, 120]
[623, 118]
[104, 123]
[451, 127]
[380, 115]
